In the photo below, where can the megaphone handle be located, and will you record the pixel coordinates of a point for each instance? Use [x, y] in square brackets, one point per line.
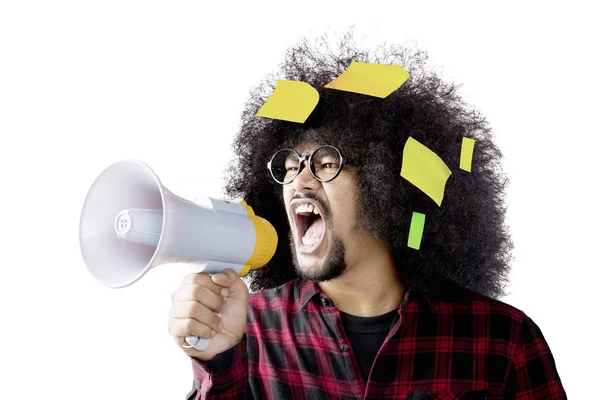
[199, 343]
[208, 267]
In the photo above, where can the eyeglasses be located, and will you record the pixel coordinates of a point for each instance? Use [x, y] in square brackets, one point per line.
[325, 164]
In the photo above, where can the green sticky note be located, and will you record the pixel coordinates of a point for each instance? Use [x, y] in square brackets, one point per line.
[425, 169]
[415, 234]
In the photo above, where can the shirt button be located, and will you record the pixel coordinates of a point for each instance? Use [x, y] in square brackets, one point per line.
[343, 347]
[324, 301]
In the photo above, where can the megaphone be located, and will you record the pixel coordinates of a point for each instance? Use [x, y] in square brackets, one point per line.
[131, 223]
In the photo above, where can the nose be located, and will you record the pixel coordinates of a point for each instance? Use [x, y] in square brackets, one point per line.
[305, 181]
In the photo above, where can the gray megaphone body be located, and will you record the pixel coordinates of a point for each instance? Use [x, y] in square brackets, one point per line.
[131, 223]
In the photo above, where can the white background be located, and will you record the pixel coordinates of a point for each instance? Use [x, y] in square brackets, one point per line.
[84, 84]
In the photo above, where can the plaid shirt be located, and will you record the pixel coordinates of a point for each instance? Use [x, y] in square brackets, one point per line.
[461, 346]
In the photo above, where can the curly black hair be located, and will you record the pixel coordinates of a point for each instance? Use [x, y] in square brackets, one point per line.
[465, 241]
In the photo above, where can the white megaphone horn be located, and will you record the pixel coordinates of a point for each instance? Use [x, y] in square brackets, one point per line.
[131, 223]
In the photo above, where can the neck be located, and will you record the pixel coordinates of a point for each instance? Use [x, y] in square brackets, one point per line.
[370, 285]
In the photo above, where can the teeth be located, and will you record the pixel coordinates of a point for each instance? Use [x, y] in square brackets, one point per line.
[309, 242]
[307, 208]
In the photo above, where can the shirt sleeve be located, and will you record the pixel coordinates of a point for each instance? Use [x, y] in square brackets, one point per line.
[532, 371]
[223, 377]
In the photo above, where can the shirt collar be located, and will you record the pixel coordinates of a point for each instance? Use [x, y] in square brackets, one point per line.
[310, 289]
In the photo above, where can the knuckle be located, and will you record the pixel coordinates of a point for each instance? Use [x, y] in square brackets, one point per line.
[199, 292]
[204, 331]
[188, 278]
[219, 304]
[194, 309]
[199, 279]
[177, 328]
[188, 326]
[206, 297]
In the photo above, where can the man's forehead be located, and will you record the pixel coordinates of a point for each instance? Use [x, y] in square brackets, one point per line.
[306, 146]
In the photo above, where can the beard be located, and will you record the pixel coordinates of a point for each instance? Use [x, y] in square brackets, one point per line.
[331, 267]
[334, 263]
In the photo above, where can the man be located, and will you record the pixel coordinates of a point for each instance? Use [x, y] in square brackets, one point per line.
[346, 309]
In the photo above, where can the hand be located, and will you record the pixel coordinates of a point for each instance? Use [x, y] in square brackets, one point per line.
[193, 310]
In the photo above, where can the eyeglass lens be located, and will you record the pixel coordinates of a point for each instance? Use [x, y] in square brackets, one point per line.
[325, 163]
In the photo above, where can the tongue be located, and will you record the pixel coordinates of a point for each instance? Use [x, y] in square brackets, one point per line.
[315, 230]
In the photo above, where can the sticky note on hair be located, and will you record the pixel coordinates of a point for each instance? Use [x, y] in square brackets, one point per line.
[466, 153]
[415, 234]
[425, 169]
[291, 101]
[378, 80]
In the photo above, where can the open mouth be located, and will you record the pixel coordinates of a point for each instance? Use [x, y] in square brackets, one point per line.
[310, 226]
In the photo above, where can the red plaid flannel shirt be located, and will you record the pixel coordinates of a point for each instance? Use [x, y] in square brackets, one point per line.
[463, 346]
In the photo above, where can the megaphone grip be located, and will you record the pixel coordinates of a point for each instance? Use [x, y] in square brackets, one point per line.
[199, 343]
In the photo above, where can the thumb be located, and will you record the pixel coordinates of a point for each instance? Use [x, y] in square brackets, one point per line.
[232, 284]
[226, 278]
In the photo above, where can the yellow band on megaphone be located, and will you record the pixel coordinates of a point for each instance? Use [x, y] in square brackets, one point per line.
[266, 242]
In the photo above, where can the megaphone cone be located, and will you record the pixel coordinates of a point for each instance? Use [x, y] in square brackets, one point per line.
[131, 223]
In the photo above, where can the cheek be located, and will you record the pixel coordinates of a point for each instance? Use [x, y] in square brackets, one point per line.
[344, 212]
[287, 194]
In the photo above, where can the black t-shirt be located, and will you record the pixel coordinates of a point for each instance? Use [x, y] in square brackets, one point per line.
[366, 336]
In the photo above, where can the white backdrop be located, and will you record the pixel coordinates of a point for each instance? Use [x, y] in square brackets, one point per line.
[84, 84]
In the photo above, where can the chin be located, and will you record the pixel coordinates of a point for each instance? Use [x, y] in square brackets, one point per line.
[318, 253]
[317, 268]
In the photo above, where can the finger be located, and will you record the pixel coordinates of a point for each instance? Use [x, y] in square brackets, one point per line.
[183, 328]
[202, 280]
[186, 309]
[201, 294]
[193, 309]
[225, 278]
[197, 311]
[234, 285]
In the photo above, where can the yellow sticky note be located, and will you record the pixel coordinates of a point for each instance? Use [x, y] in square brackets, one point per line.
[425, 169]
[378, 80]
[291, 101]
[466, 153]
[415, 234]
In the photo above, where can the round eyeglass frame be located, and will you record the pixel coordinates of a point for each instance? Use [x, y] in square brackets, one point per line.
[308, 158]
